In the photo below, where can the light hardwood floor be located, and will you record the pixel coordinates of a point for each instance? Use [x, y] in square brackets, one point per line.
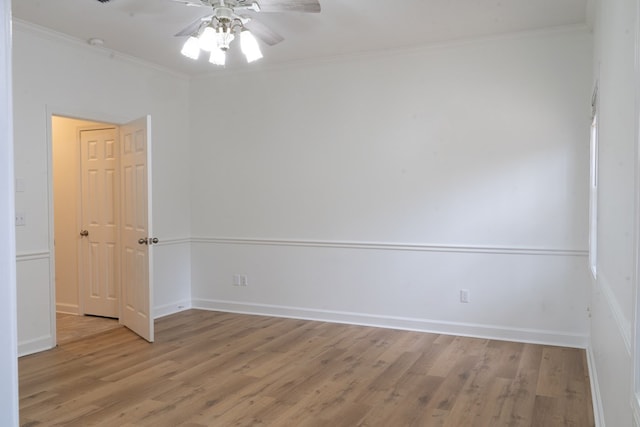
[221, 369]
[70, 327]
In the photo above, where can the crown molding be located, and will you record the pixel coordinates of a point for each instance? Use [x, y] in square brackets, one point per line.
[82, 44]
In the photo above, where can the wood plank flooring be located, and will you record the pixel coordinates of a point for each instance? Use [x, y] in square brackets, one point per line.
[221, 369]
[70, 327]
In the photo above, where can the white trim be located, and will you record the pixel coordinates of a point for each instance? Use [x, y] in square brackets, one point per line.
[28, 256]
[69, 112]
[419, 247]
[635, 408]
[168, 309]
[36, 345]
[624, 325]
[32, 256]
[598, 411]
[8, 305]
[635, 331]
[51, 227]
[420, 49]
[67, 308]
[173, 241]
[151, 250]
[534, 336]
[593, 185]
[82, 44]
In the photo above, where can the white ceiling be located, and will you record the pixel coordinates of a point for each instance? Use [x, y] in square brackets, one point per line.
[145, 28]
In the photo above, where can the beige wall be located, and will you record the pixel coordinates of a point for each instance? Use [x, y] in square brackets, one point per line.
[66, 170]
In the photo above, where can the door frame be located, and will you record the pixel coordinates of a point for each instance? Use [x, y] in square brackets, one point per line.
[8, 302]
[89, 115]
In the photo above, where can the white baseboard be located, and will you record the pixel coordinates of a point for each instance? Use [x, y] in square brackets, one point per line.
[67, 308]
[35, 345]
[422, 325]
[598, 413]
[167, 309]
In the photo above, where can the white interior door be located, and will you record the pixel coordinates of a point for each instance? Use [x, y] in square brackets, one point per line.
[135, 242]
[99, 235]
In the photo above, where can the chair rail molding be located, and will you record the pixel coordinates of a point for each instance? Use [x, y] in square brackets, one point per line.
[393, 246]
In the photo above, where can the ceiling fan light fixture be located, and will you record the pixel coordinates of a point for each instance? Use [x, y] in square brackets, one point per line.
[226, 22]
[207, 40]
[224, 36]
[249, 46]
[191, 48]
[218, 56]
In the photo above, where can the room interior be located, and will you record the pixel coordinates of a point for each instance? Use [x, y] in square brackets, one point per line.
[367, 185]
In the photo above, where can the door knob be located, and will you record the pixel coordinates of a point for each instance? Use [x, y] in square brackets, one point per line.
[84, 233]
[143, 241]
[153, 240]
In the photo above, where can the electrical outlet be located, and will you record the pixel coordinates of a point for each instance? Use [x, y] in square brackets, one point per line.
[240, 280]
[464, 295]
[21, 218]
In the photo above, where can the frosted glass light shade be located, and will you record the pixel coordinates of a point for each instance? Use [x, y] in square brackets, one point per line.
[217, 57]
[191, 48]
[249, 46]
[207, 40]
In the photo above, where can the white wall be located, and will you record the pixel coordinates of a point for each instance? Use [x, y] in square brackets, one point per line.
[616, 285]
[8, 335]
[84, 82]
[373, 189]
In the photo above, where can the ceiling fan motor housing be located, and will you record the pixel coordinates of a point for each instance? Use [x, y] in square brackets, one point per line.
[224, 13]
[226, 3]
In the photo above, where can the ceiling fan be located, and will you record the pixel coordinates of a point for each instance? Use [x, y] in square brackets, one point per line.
[215, 31]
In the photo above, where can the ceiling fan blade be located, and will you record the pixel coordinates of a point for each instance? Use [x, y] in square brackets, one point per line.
[193, 27]
[309, 6]
[197, 3]
[263, 32]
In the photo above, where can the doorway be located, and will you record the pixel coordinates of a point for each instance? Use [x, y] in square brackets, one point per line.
[97, 202]
[83, 197]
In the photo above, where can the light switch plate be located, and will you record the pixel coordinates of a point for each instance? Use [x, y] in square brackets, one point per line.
[19, 185]
[21, 218]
